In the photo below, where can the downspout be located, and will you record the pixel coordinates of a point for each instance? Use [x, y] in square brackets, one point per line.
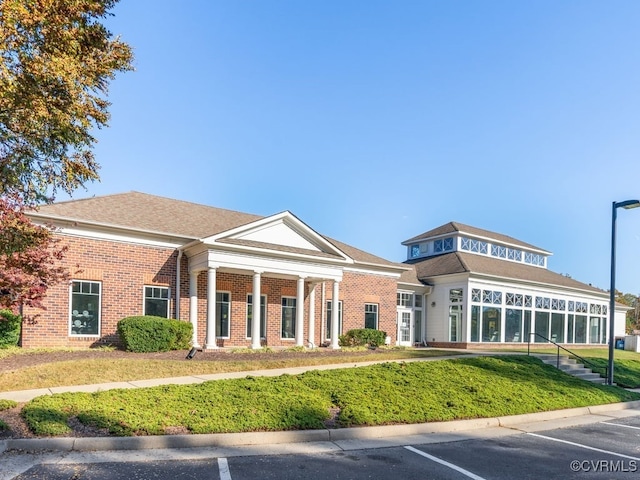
[177, 295]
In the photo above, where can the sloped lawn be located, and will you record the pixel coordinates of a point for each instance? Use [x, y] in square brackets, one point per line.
[383, 394]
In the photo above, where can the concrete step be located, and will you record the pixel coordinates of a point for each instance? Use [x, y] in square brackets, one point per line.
[571, 367]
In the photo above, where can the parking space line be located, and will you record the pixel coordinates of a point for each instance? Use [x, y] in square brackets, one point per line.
[446, 464]
[223, 467]
[620, 425]
[584, 446]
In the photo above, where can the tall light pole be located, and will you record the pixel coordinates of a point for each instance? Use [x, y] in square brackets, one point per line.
[627, 204]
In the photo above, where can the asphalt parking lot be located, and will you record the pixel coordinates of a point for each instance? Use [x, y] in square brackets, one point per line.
[584, 448]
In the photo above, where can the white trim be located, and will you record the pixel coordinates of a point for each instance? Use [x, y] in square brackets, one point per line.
[246, 314]
[288, 339]
[144, 298]
[115, 237]
[219, 320]
[292, 222]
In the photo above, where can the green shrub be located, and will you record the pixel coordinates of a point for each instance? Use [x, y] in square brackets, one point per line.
[10, 325]
[362, 337]
[7, 404]
[154, 334]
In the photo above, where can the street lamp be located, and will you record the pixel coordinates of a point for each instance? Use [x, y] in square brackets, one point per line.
[627, 204]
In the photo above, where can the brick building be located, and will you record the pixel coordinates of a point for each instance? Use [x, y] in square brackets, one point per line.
[133, 254]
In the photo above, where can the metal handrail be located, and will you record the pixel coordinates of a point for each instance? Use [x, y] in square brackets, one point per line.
[584, 361]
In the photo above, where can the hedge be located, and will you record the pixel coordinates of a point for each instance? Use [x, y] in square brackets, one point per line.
[363, 336]
[154, 334]
[10, 325]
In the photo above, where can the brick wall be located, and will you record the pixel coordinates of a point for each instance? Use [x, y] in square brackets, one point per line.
[123, 269]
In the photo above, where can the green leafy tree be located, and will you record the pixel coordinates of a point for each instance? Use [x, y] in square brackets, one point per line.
[56, 62]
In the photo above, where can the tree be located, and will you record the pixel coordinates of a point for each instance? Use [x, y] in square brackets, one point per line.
[630, 300]
[29, 258]
[56, 63]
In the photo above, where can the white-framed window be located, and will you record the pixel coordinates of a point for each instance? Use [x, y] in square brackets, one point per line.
[84, 318]
[404, 299]
[223, 314]
[371, 315]
[156, 301]
[330, 316]
[263, 315]
[288, 321]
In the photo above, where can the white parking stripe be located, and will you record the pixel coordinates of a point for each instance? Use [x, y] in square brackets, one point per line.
[223, 467]
[446, 464]
[584, 446]
[620, 425]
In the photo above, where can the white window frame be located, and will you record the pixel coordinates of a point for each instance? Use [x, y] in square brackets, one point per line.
[377, 312]
[145, 298]
[263, 318]
[327, 329]
[293, 323]
[219, 317]
[72, 313]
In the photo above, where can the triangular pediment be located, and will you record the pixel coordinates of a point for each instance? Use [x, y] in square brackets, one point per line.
[283, 230]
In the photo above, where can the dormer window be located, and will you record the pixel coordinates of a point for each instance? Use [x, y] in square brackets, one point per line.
[443, 245]
[415, 251]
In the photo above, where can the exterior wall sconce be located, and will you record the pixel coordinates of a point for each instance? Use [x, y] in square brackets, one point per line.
[433, 304]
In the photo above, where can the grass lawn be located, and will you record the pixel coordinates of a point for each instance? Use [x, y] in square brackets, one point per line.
[388, 393]
[130, 367]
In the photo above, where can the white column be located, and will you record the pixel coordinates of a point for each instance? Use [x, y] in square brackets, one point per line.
[193, 306]
[312, 315]
[335, 307]
[300, 313]
[255, 309]
[211, 309]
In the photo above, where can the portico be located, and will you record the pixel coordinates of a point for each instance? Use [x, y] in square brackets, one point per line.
[300, 257]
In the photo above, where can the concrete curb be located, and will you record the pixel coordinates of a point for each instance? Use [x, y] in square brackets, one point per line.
[86, 444]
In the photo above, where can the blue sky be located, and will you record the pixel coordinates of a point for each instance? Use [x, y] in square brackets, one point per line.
[374, 121]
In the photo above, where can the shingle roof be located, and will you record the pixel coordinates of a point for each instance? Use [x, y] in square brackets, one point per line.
[456, 227]
[461, 262]
[141, 211]
[151, 213]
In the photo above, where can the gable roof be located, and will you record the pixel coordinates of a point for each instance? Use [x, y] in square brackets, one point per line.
[151, 213]
[141, 211]
[462, 262]
[456, 227]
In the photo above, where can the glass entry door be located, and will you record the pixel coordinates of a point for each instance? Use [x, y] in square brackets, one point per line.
[405, 326]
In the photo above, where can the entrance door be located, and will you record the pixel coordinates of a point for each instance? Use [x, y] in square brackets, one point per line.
[405, 327]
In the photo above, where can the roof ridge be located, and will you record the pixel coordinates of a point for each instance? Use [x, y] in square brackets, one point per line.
[462, 262]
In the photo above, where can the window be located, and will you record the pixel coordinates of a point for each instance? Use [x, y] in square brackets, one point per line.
[418, 300]
[415, 251]
[475, 323]
[371, 315]
[491, 324]
[223, 314]
[455, 314]
[288, 322]
[443, 245]
[404, 299]
[156, 301]
[513, 325]
[263, 315]
[85, 308]
[330, 317]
